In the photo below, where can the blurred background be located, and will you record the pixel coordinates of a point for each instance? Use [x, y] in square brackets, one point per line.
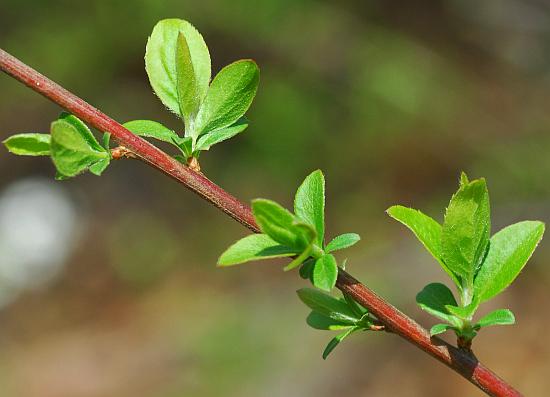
[108, 286]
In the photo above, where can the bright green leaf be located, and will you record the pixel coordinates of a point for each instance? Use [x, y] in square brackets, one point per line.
[321, 322]
[342, 241]
[211, 138]
[29, 144]
[327, 305]
[100, 166]
[254, 247]
[309, 203]
[497, 317]
[325, 272]
[229, 96]
[439, 329]
[151, 129]
[433, 298]
[336, 341]
[509, 251]
[160, 60]
[188, 90]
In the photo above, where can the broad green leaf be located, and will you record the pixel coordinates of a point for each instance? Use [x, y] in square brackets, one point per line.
[29, 144]
[151, 129]
[426, 230]
[309, 203]
[254, 247]
[83, 130]
[433, 298]
[188, 90]
[439, 329]
[100, 166]
[327, 305]
[497, 317]
[466, 230]
[70, 150]
[336, 341]
[280, 224]
[160, 61]
[342, 241]
[509, 251]
[228, 97]
[325, 272]
[209, 139]
[319, 321]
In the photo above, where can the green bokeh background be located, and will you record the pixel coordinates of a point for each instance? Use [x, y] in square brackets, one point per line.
[390, 99]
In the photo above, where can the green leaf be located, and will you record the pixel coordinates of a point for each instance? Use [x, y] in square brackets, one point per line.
[356, 307]
[106, 143]
[327, 305]
[342, 241]
[426, 230]
[28, 144]
[151, 129]
[336, 341]
[229, 96]
[281, 225]
[318, 321]
[298, 260]
[306, 271]
[254, 247]
[309, 203]
[189, 94]
[433, 299]
[325, 272]
[100, 166]
[466, 230]
[439, 329]
[509, 251]
[497, 317]
[211, 138]
[185, 145]
[465, 312]
[70, 148]
[83, 130]
[160, 62]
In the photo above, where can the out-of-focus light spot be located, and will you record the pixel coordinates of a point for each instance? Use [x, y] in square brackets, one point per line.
[37, 233]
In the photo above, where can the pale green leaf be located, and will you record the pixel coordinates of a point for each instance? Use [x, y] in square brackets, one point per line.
[439, 329]
[321, 322]
[327, 305]
[309, 203]
[254, 247]
[325, 272]
[342, 241]
[83, 130]
[100, 166]
[497, 317]
[151, 129]
[189, 94]
[211, 138]
[28, 144]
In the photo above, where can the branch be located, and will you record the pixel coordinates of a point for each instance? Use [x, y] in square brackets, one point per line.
[461, 361]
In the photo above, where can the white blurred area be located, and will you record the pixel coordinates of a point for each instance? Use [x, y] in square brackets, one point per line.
[38, 231]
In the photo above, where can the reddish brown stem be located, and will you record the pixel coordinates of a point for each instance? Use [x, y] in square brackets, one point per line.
[394, 321]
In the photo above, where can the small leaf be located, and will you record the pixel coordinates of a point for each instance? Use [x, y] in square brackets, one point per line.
[325, 272]
[254, 247]
[280, 225]
[188, 90]
[106, 142]
[439, 329]
[29, 144]
[211, 138]
[356, 307]
[185, 145]
[99, 167]
[229, 96]
[151, 129]
[70, 149]
[426, 230]
[160, 60]
[336, 341]
[342, 241]
[306, 271]
[465, 312]
[298, 260]
[433, 298]
[466, 230]
[309, 203]
[327, 305]
[497, 317]
[509, 251]
[83, 130]
[318, 321]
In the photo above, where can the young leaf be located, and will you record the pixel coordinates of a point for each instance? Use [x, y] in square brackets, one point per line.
[342, 241]
[509, 251]
[306, 271]
[327, 305]
[325, 272]
[151, 129]
[83, 130]
[465, 312]
[106, 143]
[70, 149]
[336, 340]
[228, 97]
[188, 90]
[318, 321]
[280, 225]
[28, 144]
[211, 138]
[309, 203]
[426, 230]
[497, 317]
[185, 145]
[100, 166]
[254, 247]
[439, 329]
[160, 60]
[298, 260]
[433, 298]
[466, 230]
